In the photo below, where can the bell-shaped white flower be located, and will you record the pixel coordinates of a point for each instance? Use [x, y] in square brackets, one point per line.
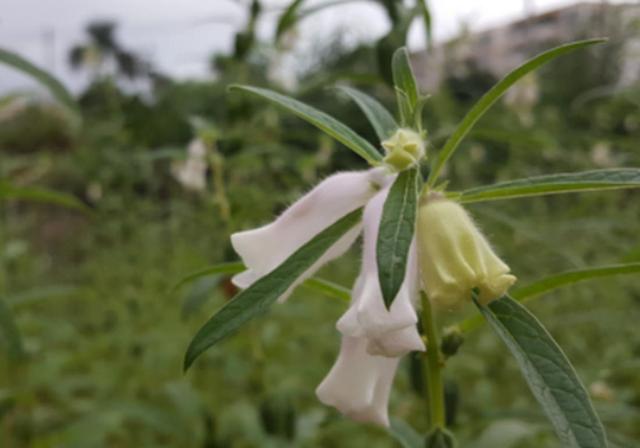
[455, 257]
[264, 248]
[390, 332]
[359, 384]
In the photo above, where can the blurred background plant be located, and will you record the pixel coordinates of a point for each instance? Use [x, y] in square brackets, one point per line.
[101, 219]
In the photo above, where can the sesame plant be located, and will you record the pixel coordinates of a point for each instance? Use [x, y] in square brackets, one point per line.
[422, 255]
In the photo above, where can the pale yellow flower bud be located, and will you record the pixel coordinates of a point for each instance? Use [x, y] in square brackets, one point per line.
[455, 257]
[404, 149]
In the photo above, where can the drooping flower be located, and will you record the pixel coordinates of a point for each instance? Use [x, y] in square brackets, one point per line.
[359, 384]
[390, 332]
[455, 257]
[264, 248]
[374, 337]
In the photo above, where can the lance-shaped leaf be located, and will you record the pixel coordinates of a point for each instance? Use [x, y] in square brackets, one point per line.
[570, 277]
[382, 121]
[258, 297]
[556, 281]
[405, 435]
[489, 98]
[609, 179]
[548, 372]
[397, 226]
[326, 123]
[55, 87]
[288, 18]
[326, 287]
[34, 194]
[406, 86]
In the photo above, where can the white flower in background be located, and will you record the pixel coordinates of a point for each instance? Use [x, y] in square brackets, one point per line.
[192, 172]
[455, 257]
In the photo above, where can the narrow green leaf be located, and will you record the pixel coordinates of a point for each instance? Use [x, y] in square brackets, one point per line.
[404, 434]
[570, 277]
[382, 121]
[405, 84]
[428, 23]
[321, 120]
[489, 98]
[328, 288]
[258, 297]
[55, 87]
[397, 226]
[288, 18]
[37, 295]
[10, 333]
[222, 268]
[556, 281]
[8, 192]
[608, 179]
[202, 290]
[548, 372]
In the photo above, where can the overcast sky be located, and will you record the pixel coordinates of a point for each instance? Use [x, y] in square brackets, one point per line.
[179, 36]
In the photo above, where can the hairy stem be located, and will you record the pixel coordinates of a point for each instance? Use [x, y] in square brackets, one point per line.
[435, 384]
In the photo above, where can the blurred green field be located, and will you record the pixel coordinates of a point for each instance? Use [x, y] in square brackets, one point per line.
[103, 330]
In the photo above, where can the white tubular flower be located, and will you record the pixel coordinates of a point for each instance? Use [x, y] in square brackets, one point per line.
[359, 384]
[455, 257]
[192, 173]
[264, 248]
[390, 332]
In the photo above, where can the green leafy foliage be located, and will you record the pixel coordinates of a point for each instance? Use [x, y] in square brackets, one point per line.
[489, 99]
[560, 280]
[55, 87]
[380, 118]
[570, 277]
[42, 195]
[549, 374]
[258, 297]
[595, 180]
[404, 434]
[397, 227]
[322, 121]
[288, 18]
[406, 86]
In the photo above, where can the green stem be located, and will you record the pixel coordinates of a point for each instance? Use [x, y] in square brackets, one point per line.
[435, 384]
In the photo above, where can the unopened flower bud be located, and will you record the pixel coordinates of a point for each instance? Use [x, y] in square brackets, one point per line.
[455, 257]
[404, 149]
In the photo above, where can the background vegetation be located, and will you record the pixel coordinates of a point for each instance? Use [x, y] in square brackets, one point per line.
[94, 330]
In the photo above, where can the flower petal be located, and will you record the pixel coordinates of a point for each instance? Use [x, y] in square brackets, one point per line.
[392, 332]
[359, 384]
[264, 248]
[455, 256]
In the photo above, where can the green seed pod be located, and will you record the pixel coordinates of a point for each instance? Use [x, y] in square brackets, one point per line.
[451, 341]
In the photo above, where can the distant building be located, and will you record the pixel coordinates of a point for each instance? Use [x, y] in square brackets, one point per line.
[498, 50]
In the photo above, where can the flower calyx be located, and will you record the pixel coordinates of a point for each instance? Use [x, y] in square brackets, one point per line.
[404, 149]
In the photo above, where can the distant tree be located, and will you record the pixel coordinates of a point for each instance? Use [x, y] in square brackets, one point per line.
[103, 53]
